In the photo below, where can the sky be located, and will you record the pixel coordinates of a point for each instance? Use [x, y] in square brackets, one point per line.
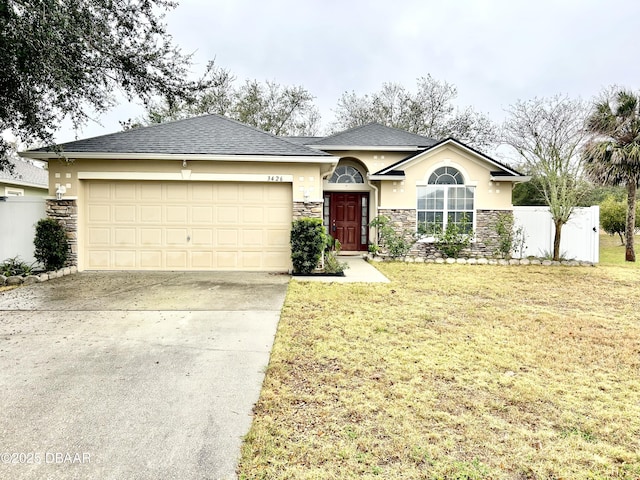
[495, 52]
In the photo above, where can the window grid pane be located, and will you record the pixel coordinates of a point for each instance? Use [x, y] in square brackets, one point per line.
[364, 221]
[346, 174]
[325, 212]
[432, 215]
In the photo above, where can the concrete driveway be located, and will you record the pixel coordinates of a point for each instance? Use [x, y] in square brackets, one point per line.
[133, 375]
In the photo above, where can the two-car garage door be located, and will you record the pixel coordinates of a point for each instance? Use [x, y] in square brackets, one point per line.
[186, 225]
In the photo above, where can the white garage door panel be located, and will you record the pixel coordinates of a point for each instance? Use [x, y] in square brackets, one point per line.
[186, 226]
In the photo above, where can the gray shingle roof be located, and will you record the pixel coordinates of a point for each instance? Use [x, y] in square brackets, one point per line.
[375, 135]
[25, 172]
[302, 140]
[205, 135]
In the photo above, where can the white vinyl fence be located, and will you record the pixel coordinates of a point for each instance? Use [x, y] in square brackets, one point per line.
[579, 240]
[18, 218]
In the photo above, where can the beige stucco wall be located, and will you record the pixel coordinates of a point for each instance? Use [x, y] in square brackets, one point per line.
[306, 177]
[374, 161]
[489, 195]
[401, 194]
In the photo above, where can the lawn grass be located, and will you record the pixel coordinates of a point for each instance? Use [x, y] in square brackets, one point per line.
[454, 371]
[612, 251]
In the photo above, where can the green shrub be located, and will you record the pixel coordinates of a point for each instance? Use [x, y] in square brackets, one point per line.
[397, 244]
[51, 244]
[308, 242]
[15, 267]
[510, 238]
[331, 262]
[455, 238]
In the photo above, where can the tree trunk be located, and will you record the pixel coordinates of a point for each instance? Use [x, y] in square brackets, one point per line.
[556, 240]
[630, 254]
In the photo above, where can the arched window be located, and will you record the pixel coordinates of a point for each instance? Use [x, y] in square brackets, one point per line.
[446, 176]
[346, 174]
[444, 200]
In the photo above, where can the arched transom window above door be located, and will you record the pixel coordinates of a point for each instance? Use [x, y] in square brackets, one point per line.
[346, 174]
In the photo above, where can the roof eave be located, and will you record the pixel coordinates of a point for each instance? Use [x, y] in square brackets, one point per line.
[510, 178]
[19, 183]
[178, 156]
[373, 148]
[387, 177]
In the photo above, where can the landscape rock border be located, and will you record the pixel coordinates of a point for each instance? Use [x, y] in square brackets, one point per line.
[31, 279]
[485, 261]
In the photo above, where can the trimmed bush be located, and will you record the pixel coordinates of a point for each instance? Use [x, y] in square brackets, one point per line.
[51, 244]
[308, 241]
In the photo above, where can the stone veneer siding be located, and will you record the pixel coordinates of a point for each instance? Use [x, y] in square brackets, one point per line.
[66, 212]
[307, 209]
[487, 240]
[402, 219]
[486, 232]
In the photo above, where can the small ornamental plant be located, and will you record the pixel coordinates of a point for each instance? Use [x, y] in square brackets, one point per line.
[397, 244]
[15, 267]
[455, 237]
[51, 244]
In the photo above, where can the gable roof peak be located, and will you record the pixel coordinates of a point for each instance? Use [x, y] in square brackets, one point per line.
[504, 169]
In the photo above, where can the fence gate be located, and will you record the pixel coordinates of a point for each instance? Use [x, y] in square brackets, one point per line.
[580, 238]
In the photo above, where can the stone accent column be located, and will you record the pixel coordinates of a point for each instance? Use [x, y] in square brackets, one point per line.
[403, 221]
[487, 238]
[307, 209]
[65, 211]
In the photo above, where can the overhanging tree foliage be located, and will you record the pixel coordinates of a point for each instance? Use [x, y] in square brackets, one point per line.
[612, 156]
[548, 133]
[269, 106]
[67, 58]
[613, 217]
[428, 111]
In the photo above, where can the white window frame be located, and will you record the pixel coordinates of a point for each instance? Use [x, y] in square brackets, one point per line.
[350, 171]
[13, 192]
[445, 201]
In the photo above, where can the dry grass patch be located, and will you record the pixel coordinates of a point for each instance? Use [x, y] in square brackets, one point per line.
[454, 371]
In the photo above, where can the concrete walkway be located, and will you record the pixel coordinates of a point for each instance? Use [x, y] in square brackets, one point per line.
[359, 271]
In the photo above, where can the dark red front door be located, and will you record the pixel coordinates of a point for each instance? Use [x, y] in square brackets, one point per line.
[348, 219]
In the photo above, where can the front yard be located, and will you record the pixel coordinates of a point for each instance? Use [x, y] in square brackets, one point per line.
[455, 371]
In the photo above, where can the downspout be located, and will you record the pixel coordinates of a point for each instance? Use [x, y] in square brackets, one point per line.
[375, 189]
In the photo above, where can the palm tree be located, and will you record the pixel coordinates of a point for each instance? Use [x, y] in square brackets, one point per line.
[612, 157]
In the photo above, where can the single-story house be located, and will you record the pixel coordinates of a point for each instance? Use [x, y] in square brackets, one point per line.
[26, 179]
[212, 193]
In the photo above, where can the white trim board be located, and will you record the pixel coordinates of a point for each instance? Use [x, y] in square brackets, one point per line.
[187, 175]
